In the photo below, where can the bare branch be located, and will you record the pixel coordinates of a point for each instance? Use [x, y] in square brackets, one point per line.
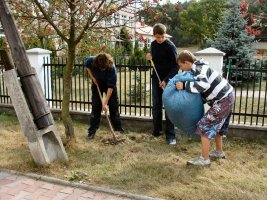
[50, 21]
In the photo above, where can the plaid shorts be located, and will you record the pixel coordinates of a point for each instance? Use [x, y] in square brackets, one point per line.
[217, 118]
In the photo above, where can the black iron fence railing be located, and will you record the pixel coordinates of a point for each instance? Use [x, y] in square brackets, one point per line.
[134, 89]
[133, 83]
[250, 84]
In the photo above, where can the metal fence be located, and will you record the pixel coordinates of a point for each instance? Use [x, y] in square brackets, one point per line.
[250, 85]
[134, 89]
[133, 83]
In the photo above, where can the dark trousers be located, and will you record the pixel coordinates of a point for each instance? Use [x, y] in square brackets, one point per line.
[157, 111]
[113, 105]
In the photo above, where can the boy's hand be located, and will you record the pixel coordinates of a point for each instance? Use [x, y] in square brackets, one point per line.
[148, 56]
[162, 84]
[179, 85]
[104, 107]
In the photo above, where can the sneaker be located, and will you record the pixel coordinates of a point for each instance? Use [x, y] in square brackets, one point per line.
[172, 141]
[121, 130]
[216, 155]
[91, 135]
[200, 161]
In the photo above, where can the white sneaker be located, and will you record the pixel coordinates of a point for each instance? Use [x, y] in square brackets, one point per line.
[216, 155]
[172, 141]
[200, 161]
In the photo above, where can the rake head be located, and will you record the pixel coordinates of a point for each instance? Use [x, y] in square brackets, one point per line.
[113, 140]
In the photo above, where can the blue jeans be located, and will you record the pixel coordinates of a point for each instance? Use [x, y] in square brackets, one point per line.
[157, 111]
[113, 104]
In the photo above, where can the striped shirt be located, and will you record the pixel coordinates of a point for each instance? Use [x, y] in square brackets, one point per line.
[209, 83]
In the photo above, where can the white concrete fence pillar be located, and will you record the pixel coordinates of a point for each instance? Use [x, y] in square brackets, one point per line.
[36, 58]
[214, 58]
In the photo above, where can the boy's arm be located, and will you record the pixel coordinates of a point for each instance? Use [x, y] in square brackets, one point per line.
[174, 66]
[105, 103]
[92, 76]
[111, 83]
[200, 85]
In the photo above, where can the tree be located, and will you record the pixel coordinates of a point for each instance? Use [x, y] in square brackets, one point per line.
[71, 21]
[168, 15]
[201, 19]
[232, 37]
[126, 42]
[43, 34]
[254, 12]
[92, 45]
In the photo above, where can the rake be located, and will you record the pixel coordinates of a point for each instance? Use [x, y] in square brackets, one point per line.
[114, 137]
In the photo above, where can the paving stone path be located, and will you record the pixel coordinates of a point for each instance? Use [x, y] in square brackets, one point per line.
[19, 187]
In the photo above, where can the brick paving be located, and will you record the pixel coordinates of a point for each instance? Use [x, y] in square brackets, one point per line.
[19, 187]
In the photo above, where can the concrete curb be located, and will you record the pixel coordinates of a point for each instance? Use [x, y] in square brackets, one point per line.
[80, 186]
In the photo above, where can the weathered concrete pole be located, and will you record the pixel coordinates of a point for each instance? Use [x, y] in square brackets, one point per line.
[27, 97]
[45, 144]
[29, 81]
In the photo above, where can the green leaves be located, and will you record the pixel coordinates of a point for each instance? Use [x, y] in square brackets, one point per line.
[76, 176]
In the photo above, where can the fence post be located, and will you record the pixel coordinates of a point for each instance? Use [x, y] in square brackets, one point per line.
[214, 57]
[36, 58]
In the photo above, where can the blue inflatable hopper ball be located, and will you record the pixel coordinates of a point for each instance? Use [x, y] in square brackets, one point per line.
[183, 108]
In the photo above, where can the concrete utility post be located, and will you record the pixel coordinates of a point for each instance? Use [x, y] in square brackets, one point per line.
[36, 57]
[27, 97]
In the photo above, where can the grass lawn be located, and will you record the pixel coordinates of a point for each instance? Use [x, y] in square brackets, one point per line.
[145, 165]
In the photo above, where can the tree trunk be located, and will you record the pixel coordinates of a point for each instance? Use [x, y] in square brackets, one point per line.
[67, 121]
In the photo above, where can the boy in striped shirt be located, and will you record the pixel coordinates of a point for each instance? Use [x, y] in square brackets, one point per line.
[218, 93]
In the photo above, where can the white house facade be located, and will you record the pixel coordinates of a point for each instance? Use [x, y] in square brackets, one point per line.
[138, 30]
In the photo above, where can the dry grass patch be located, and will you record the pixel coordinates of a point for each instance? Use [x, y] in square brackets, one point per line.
[145, 165]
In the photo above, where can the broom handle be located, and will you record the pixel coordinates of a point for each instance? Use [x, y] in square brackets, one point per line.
[106, 113]
[152, 64]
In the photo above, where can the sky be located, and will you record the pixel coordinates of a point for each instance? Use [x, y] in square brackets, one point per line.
[173, 1]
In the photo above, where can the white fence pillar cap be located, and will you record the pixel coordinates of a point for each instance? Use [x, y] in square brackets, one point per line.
[210, 51]
[38, 51]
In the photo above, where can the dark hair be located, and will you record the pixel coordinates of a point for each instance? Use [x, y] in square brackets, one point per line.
[103, 61]
[159, 29]
[186, 55]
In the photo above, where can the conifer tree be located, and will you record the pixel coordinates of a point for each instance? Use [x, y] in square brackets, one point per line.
[232, 37]
[126, 42]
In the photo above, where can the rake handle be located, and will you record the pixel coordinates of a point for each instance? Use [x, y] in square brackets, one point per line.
[152, 64]
[106, 114]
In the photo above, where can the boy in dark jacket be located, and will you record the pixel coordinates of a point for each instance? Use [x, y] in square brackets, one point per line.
[164, 55]
[104, 75]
